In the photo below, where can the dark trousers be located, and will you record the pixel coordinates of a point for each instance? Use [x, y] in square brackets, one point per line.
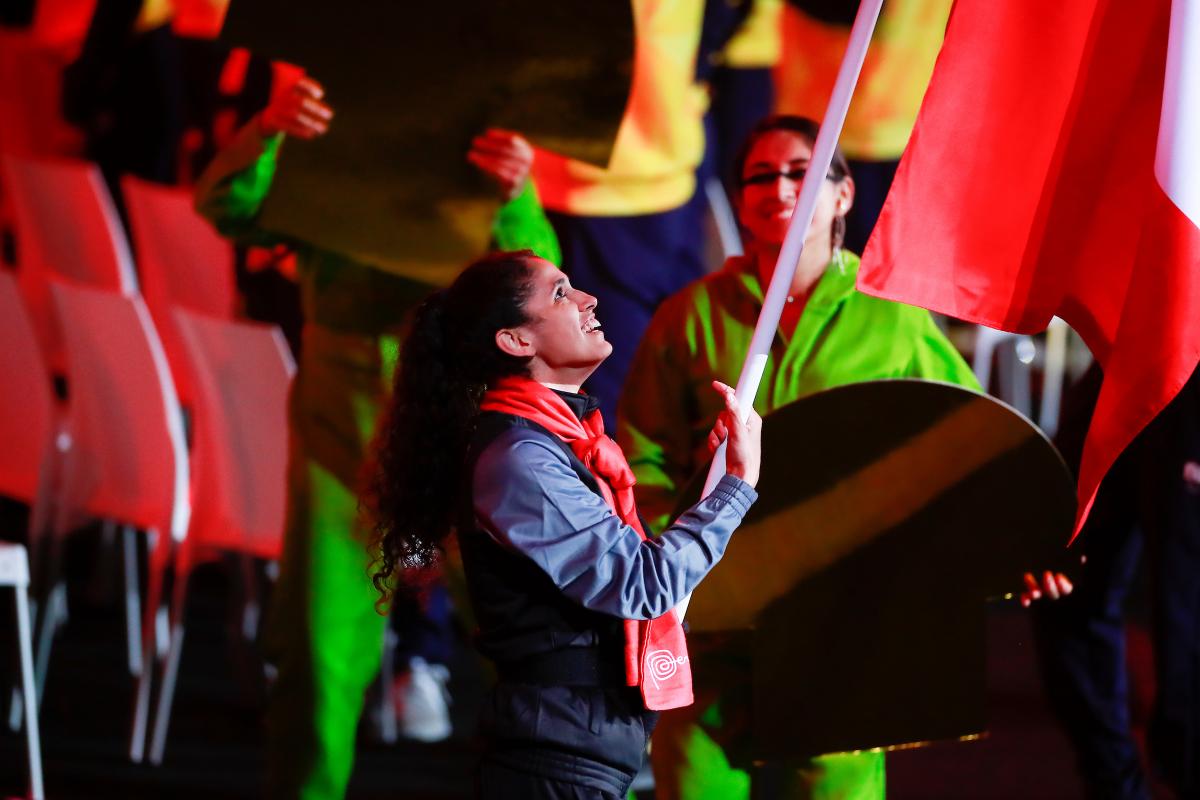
[631, 264]
[500, 782]
[1148, 505]
[550, 742]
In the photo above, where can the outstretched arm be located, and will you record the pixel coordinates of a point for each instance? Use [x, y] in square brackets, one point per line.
[231, 191]
[507, 159]
[528, 498]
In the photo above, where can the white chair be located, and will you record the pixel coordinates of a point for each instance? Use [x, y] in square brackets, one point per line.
[1015, 352]
[1053, 375]
[14, 572]
[66, 225]
[1015, 355]
[243, 375]
[127, 459]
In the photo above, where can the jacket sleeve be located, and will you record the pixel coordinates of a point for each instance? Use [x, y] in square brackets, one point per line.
[935, 358]
[521, 224]
[231, 190]
[528, 498]
[655, 422]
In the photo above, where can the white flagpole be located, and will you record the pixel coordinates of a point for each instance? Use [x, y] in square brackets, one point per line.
[793, 242]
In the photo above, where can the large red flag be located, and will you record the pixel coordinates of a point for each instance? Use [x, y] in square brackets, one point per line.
[1030, 188]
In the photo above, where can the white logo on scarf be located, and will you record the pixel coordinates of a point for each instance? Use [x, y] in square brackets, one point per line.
[662, 665]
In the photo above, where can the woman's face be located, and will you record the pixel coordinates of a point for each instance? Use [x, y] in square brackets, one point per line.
[563, 335]
[771, 177]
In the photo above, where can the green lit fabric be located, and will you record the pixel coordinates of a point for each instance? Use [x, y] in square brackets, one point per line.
[703, 333]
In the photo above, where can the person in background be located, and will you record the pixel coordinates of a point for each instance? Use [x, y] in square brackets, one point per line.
[739, 53]
[888, 95]
[1146, 511]
[633, 232]
[830, 335]
[322, 630]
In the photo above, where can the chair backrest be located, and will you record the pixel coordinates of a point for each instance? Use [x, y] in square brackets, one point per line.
[181, 259]
[27, 406]
[243, 373]
[127, 460]
[67, 223]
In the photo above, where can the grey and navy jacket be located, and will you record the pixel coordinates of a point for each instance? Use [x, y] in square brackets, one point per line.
[553, 572]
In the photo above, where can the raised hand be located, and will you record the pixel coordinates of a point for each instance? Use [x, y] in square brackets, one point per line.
[298, 110]
[743, 451]
[505, 157]
[1053, 585]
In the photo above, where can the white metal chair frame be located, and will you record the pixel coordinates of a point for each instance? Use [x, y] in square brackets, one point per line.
[1013, 376]
[14, 572]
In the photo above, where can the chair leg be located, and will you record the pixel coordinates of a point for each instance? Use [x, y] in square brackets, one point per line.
[16, 701]
[32, 735]
[157, 551]
[40, 543]
[1052, 381]
[52, 605]
[985, 347]
[166, 687]
[133, 609]
[53, 613]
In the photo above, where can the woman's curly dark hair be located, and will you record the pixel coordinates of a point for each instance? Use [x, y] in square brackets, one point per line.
[448, 358]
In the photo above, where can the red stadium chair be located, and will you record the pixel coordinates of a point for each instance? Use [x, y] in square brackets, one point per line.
[66, 225]
[127, 460]
[29, 424]
[181, 261]
[243, 375]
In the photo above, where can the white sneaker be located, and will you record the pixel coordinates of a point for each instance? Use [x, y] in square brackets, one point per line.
[422, 701]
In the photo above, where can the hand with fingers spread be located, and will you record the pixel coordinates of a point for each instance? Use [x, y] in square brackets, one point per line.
[505, 157]
[298, 110]
[1053, 585]
[743, 451]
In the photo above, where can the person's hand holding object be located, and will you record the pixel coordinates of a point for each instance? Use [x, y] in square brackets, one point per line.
[743, 451]
[505, 157]
[298, 110]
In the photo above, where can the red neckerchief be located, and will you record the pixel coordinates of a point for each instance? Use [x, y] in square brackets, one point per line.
[656, 658]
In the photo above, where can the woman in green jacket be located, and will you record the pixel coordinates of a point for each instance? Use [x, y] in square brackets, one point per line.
[829, 335]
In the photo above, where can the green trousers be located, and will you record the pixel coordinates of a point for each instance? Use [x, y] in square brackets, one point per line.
[323, 632]
[690, 764]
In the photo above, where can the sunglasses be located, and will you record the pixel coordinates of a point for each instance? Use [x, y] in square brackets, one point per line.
[796, 175]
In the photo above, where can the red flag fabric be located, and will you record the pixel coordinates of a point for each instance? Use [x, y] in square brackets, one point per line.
[1029, 189]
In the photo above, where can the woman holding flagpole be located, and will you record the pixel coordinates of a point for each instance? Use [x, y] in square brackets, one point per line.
[489, 436]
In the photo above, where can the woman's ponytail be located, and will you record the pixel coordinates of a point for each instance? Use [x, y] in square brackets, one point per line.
[447, 359]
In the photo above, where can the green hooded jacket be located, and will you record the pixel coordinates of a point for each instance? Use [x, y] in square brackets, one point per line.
[703, 333]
